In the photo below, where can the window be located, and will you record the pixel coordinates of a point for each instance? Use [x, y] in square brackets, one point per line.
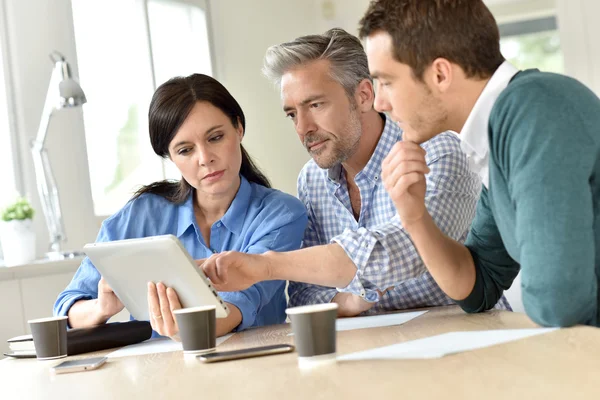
[7, 172]
[533, 43]
[179, 40]
[125, 48]
[180, 46]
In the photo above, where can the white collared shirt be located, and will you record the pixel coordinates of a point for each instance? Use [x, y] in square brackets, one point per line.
[474, 134]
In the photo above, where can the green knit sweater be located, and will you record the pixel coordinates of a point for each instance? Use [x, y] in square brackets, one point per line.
[541, 213]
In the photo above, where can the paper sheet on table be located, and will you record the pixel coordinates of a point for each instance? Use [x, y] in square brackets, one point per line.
[152, 346]
[447, 343]
[374, 321]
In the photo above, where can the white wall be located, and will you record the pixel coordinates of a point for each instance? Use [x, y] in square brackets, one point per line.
[343, 14]
[242, 31]
[579, 33]
[515, 10]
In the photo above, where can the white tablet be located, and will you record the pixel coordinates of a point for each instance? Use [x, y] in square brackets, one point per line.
[128, 266]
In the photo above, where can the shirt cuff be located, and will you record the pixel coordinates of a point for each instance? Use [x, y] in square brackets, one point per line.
[358, 248]
[358, 245]
[65, 306]
[329, 295]
[357, 287]
[302, 294]
[246, 307]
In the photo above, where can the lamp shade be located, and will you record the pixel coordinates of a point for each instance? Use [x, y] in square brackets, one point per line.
[71, 94]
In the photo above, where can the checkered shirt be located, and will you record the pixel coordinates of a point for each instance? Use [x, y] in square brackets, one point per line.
[377, 243]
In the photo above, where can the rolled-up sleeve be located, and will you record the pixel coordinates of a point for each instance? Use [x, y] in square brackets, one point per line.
[385, 255]
[84, 285]
[278, 232]
[302, 293]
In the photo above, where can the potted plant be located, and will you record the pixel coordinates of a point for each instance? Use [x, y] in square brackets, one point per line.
[16, 233]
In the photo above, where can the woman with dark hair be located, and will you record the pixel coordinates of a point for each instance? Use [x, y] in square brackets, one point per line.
[223, 202]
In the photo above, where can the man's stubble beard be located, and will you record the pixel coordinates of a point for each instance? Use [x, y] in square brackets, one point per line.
[343, 148]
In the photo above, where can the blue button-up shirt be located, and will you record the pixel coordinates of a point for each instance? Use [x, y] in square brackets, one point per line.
[377, 243]
[259, 219]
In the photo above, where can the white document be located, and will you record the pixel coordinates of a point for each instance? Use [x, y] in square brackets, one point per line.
[153, 346]
[447, 343]
[375, 321]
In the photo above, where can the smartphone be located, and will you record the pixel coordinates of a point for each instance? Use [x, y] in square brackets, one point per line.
[246, 353]
[86, 364]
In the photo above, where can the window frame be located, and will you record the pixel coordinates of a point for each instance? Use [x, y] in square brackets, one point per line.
[528, 26]
[204, 5]
[15, 142]
[531, 24]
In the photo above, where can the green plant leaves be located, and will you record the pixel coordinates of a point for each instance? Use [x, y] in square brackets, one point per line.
[19, 210]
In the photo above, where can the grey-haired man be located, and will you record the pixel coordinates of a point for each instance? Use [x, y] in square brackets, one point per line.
[355, 240]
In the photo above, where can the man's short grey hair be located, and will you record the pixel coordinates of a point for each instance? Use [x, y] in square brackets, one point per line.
[344, 51]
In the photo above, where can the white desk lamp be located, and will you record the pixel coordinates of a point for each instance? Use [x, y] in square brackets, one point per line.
[63, 92]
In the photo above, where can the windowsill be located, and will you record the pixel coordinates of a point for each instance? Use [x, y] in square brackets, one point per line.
[39, 268]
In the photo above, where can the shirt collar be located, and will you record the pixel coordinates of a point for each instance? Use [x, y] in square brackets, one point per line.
[390, 135]
[233, 219]
[474, 134]
[334, 173]
[372, 171]
[185, 215]
[236, 213]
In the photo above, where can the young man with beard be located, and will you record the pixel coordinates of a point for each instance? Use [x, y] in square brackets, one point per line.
[533, 136]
